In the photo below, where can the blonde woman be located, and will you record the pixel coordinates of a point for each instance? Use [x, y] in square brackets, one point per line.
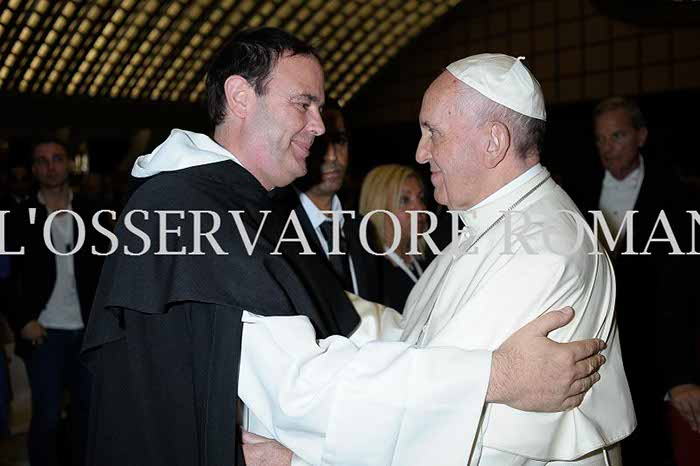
[397, 189]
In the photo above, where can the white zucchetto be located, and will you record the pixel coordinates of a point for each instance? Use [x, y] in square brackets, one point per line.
[503, 79]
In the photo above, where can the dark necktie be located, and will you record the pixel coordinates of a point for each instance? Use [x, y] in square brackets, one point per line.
[339, 262]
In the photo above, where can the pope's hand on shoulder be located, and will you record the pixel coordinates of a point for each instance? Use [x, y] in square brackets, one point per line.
[530, 372]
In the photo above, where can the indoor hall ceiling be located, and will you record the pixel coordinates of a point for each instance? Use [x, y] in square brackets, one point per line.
[158, 51]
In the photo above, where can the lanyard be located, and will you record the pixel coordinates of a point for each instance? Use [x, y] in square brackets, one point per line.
[461, 253]
[393, 257]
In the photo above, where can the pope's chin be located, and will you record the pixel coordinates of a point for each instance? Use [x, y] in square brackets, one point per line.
[440, 195]
[439, 192]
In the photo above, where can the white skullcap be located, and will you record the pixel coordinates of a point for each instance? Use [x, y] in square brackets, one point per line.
[504, 80]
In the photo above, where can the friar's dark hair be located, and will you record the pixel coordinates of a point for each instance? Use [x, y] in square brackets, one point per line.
[251, 54]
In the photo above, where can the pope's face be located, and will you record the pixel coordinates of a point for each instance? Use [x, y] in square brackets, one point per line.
[618, 142]
[288, 118]
[448, 143]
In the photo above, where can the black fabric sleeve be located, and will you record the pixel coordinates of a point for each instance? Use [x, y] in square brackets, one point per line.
[166, 393]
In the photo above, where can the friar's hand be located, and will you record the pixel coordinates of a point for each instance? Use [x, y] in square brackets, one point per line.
[262, 451]
[686, 399]
[530, 372]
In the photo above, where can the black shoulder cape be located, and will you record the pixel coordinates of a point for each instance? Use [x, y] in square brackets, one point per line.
[164, 337]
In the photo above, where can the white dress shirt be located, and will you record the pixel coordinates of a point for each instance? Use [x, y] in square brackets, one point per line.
[619, 196]
[62, 310]
[316, 217]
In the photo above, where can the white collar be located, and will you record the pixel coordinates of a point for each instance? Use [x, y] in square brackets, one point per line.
[631, 181]
[182, 149]
[316, 217]
[42, 200]
[512, 186]
[487, 211]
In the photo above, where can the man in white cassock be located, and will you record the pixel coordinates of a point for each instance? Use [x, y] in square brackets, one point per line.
[524, 251]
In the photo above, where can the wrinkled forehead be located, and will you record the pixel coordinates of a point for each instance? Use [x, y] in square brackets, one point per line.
[443, 86]
[444, 96]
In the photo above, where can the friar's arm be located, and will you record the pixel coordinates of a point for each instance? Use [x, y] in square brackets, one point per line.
[297, 387]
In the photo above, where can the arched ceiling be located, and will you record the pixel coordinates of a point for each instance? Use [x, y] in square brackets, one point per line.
[158, 51]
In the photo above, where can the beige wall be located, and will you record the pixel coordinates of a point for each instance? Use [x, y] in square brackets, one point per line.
[577, 53]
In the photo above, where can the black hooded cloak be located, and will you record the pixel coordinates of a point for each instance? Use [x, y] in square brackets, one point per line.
[164, 337]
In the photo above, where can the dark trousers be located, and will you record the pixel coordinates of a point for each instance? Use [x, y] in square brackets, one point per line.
[52, 367]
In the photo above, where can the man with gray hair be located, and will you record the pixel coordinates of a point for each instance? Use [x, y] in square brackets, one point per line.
[524, 248]
[631, 188]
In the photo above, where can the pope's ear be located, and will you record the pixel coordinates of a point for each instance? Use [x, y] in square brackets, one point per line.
[498, 143]
[239, 95]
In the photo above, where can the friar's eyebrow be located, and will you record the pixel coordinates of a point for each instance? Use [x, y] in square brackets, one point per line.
[308, 98]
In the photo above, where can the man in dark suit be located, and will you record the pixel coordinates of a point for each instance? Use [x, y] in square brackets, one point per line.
[627, 182]
[317, 195]
[53, 296]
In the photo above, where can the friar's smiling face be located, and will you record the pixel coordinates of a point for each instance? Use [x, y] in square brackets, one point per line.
[287, 118]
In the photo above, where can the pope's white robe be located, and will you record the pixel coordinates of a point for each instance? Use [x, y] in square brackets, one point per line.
[379, 403]
[538, 259]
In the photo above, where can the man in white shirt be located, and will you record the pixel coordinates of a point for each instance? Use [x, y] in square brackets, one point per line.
[620, 133]
[641, 188]
[55, 292]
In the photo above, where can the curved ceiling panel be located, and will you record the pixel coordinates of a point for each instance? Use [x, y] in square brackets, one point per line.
[151, 50]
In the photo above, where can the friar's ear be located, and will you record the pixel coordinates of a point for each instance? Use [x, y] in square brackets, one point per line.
[498, 143]
[239, 95]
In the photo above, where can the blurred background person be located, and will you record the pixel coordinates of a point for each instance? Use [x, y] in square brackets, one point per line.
[6, 204]
[631, 178]
[397, 189]
[317, 191]
[53, 298]
[679, 357]
[19, 185]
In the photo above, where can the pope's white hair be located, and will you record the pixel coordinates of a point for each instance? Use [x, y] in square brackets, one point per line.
[527, 133]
